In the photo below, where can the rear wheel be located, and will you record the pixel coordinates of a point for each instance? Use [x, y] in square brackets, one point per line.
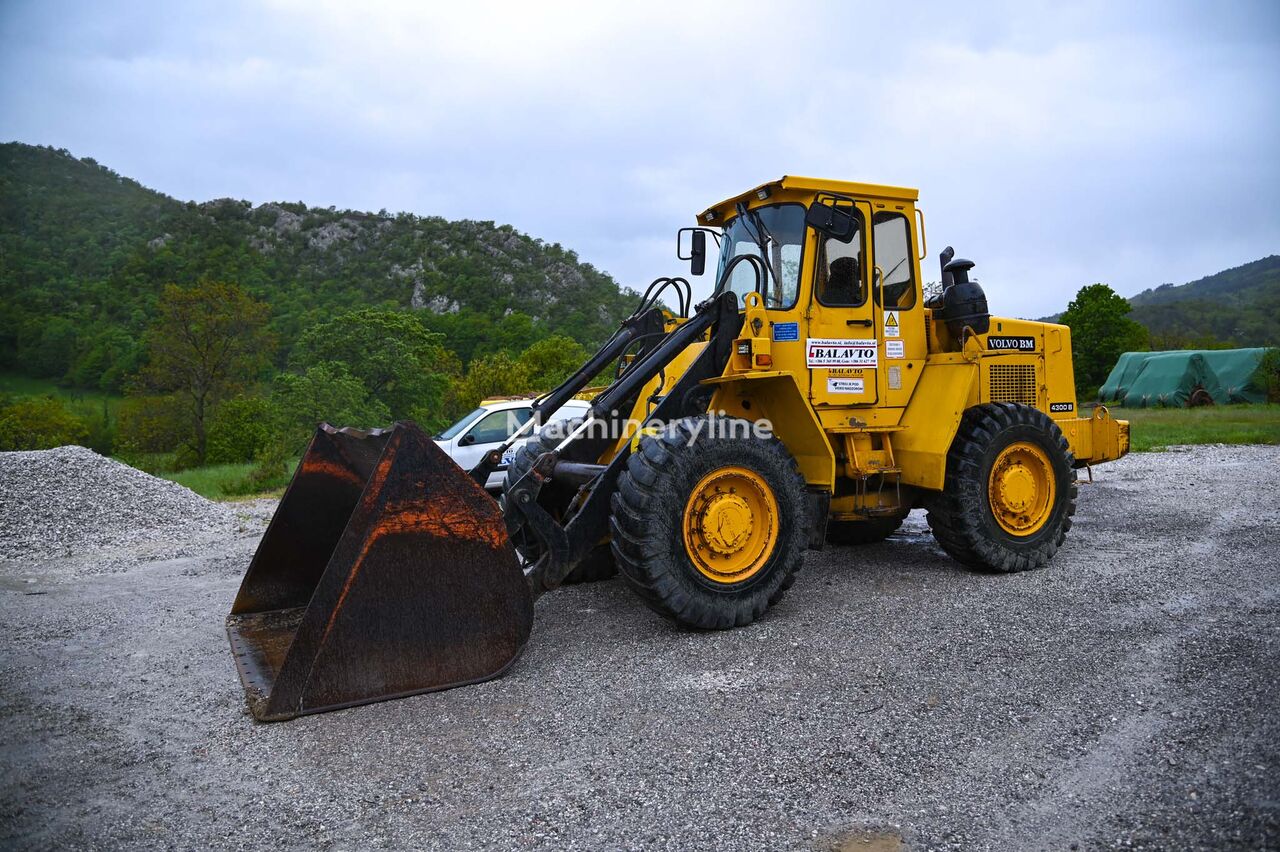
[870, 531]
[709, 522]
[1010, 490]
[598, 563]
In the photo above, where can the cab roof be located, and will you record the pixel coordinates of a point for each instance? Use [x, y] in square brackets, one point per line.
[718, 213]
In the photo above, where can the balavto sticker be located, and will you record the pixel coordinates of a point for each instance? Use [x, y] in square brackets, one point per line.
[835, 352]
[1062, 406]
[1011, 343]
[844, 386]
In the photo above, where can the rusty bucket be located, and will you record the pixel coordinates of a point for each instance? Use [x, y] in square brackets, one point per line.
[385, 572]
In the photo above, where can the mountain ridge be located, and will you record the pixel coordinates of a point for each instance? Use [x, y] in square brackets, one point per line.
[84, 253]
[1239, 307]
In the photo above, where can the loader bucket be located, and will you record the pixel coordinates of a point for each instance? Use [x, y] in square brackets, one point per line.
[386, 571]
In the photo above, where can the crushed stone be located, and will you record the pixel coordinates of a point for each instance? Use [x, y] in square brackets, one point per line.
[72, 502]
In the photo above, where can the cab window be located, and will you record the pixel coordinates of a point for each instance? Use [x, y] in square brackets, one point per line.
[840, 281]
[894, 284]
[779, 229]
[499, 425]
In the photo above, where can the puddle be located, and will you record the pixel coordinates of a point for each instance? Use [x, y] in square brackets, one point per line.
[865, 840]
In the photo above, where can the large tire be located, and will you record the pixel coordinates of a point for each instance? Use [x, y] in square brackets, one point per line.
[1010, 490]
[598, 564]
[870, 531]
[678, 516]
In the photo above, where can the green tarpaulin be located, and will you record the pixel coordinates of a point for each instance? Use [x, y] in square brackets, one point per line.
[1184, 376]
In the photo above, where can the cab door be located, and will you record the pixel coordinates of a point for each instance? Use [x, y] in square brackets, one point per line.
[895, 290]
[842, 352]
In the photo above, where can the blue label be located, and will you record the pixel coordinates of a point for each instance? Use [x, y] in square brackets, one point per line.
[786, 331]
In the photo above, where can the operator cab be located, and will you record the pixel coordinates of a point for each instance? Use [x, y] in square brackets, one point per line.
[837, 267]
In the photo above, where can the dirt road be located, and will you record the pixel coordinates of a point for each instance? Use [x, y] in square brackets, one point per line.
[1125, 696]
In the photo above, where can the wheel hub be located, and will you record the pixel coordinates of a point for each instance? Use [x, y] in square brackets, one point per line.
[1021, 488]
[730, 524]
[726, 523]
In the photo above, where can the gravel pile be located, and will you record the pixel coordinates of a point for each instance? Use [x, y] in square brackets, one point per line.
[71, 501]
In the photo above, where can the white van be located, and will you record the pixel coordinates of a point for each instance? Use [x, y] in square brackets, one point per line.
[493, 422]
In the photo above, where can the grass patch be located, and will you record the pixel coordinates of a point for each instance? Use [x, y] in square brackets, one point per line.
[16, 385]
[1155, 428]
[209, 482]
[223, 481]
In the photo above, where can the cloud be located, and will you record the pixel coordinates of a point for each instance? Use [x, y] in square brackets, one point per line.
[1055, 145]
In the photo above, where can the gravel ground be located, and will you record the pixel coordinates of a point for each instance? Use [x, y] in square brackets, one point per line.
[1126, 696]
[102, 514]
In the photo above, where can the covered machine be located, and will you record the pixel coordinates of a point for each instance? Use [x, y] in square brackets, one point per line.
[1185, 377]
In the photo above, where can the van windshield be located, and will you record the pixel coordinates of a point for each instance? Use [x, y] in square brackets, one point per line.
[460, 425]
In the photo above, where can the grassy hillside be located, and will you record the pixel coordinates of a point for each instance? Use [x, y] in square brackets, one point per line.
[1236, 307]
[84, 253]
[1239, 306]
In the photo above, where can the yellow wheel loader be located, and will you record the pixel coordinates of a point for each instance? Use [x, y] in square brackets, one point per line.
[816, 397]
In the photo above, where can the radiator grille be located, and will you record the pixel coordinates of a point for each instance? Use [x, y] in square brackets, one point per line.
[1013, 383]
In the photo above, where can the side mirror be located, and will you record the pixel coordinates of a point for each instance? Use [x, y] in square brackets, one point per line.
[466, 440]
[698, 263]
[835, 222]
[697, 255]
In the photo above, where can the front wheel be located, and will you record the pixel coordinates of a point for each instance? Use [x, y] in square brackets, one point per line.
[1010, 490]
[709, 522]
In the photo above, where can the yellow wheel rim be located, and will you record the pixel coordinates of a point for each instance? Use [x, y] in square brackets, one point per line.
[1021, 488]
[730, 524]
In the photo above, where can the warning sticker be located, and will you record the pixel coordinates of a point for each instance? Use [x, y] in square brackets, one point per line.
[833, 352]
[844, 386]
[893, 349]
[891, 324]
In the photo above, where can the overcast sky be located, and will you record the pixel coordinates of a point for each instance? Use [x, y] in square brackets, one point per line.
[1055, 144]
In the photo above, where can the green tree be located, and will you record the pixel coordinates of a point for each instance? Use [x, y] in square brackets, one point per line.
[492, 375]
[55, 350]
[110, 356]
[325, 392]
[397, 360]
[241, 429]
[206, 343]
[549, 362]
[1268, 375]
[1100, 332]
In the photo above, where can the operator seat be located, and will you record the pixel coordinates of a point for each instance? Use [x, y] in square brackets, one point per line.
[844, 282]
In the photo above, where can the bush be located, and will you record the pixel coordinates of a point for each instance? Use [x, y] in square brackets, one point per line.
[1268, 375]
[39, 423]
[241, 430]
[271, 473]
[151, 425]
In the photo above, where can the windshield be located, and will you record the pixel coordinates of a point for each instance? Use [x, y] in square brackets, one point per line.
[460, 425]
[781, 228]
